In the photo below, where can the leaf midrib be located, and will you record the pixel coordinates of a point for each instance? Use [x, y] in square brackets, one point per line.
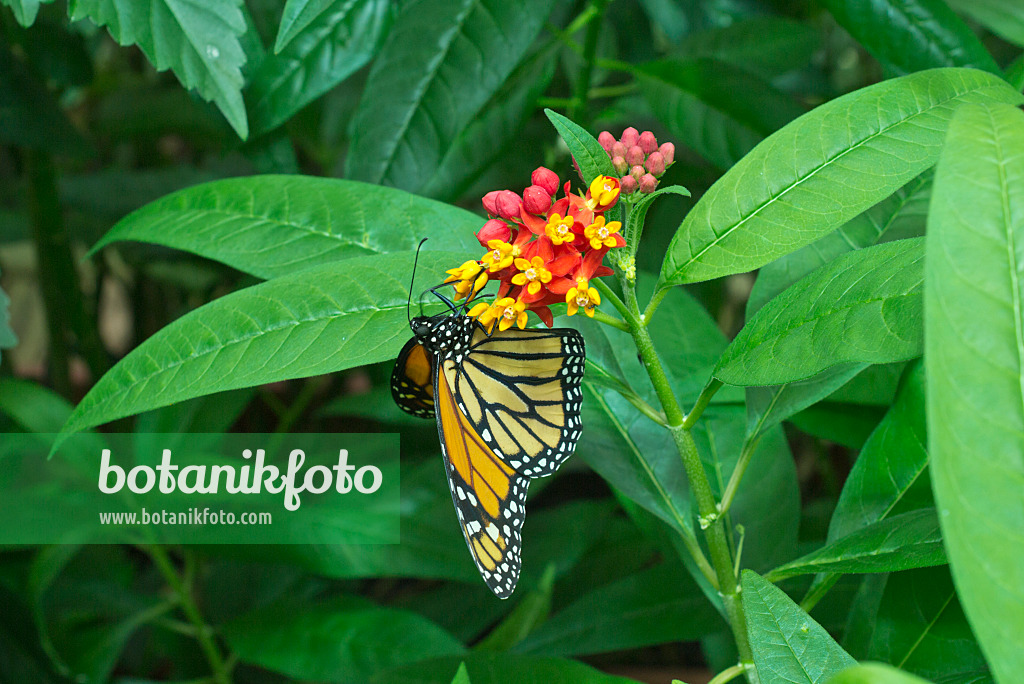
[802, 179]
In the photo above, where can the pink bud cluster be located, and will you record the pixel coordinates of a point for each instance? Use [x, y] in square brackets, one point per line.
[638, 158]
[535, 199]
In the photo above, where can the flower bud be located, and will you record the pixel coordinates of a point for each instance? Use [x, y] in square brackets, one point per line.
[628, 184]
[607, 140]
[637, 172]
[656, 164]
[618, 150]
[634, 155]
[507, 204]
[490, 202]
[546, 179]
[648, 183]
[630, 137]
[620, 165]
[648, 143]
[668, 151]
[495, 229]
[536, 199]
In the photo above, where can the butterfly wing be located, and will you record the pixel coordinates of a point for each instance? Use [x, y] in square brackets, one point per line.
[412, 383]
[520, 391]
[489, 495]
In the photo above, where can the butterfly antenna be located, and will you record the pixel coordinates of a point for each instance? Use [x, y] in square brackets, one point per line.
[415, 261]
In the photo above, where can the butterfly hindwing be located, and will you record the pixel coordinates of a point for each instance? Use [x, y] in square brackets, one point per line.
[521, 391]
[412, 384]
[489, 495]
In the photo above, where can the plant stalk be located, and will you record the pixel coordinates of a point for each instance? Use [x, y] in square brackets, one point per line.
[203, 632]
[578, 106]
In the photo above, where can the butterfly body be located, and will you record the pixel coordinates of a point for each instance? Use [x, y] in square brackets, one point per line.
[507, 406]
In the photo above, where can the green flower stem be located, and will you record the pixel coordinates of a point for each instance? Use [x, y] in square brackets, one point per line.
[579, 95]
[609, 295]
[710, 521]
[203, 632]
[602, 317]
[653, 304]
[702, 403]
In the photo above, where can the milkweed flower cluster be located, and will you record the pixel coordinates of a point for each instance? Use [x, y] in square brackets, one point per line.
[638, 158]
[541, 250]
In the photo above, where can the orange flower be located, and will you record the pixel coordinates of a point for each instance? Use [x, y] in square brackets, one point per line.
[469, 278]
[506, 311]
[532, 274]
[559, 229]
[603, 193]
[582, 296]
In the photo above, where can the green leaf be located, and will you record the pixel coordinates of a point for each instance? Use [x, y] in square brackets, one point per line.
[338, 40]
[720, 110]
[766, 45]
[847, 424]
[30, 116]
[901, 542]
[487, 136]
[297, 15]
[975, 360]
[788, 645]
[921, 628]
[899, 216]
[863, 307]
[338, 640]
[322, 320]
[33, 406]
[25, 11]
[462, 676]
[769, 406]
[912, 35]
[821, 170]
[654, 606]
[875, 673]
[890, 474]
[531, 611]
[440, 65]
[1003, 17]
[1015, 73]
[588, 153]
[500, 668]
[275, 225]
[198, 41]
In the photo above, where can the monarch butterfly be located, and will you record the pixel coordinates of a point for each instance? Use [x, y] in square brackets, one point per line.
[507, 405]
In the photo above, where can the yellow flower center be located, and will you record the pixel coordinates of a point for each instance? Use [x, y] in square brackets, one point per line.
[510, 313]
[531, 274]
[602, 233]
[496, 254]
[582, 298]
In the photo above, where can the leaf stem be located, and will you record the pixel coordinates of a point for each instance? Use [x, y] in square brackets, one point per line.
[614, 91]
[602, 317]
[749, 445]
[703, 400]
[609, 294]
[818, 591]
[203, 632]
[729, 674]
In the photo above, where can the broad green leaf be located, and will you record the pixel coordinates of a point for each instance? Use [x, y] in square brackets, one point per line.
[441, 63]
[532, 610]
[920, 627]
[847, 424]
[275, 225]
[588, 153]
[875, 673]
[720, 110]
[1015, 73]
[667, 16]
[821, 170]
[198, 41]
[766, 45]
[890, 474]
[322, 320]
[973, 357]
[899, 216]
[484, 138]
[788, 645]
[342, 37]
[769, 406]
[25, 11]
[901, 542]
[912, 35]
[30, 116]
[500, 668]
[863, 307]
[1002, 17]
[653, 606]
[337, 640]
